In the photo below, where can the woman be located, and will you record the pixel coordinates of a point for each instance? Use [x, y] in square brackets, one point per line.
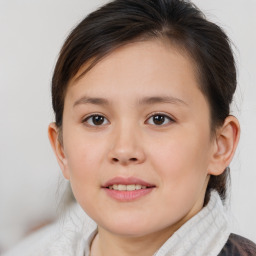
[141, 93]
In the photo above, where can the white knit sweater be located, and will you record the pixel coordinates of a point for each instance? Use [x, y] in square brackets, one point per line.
[204, 234]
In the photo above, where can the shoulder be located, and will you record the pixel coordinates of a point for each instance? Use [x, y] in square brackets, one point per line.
[34, 244]
[238, 246]
[66, 236]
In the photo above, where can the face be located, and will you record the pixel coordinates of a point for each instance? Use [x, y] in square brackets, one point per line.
[136, 140]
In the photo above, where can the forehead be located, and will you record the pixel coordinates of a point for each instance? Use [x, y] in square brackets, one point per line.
[138, 71]
[137, 76]
[140, 64]
[118, 52]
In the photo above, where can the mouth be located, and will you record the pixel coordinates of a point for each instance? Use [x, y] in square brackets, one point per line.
[127, 189]
[127, 184]
[131, 187]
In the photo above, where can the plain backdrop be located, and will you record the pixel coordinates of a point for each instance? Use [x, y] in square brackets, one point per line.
[31, 34]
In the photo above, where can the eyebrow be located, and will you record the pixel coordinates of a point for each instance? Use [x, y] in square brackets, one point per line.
[161, 99]
[89, 100]
[143, 101]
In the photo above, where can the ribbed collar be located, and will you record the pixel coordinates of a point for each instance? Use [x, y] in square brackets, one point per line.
[204, 234]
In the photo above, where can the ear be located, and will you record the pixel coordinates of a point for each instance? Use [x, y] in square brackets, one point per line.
[225, 144]
[57, 146]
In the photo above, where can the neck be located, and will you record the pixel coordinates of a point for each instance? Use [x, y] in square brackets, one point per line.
[106, 243]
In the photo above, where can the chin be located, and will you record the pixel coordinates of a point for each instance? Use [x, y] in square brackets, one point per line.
[130, 231]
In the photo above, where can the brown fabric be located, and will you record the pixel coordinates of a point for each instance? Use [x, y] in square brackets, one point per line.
[238, 246]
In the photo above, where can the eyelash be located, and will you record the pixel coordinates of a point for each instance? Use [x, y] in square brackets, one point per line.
[166, 117]
[85, 120]
[170, 119]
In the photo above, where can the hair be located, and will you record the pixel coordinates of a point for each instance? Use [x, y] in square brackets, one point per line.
[180, 22]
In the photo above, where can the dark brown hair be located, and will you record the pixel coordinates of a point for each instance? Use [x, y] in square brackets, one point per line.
[182, 23]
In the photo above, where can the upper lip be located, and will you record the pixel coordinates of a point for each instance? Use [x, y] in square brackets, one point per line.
[127, 181]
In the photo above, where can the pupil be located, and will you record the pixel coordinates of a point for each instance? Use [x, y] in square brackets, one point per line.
[158, 119]
[98, 120]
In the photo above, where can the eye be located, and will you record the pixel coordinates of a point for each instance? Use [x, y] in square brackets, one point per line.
[96, 120]
[159, 119]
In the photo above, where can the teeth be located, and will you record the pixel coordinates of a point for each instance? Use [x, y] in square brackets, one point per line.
[138, 187]
[131, 187]
[121, 187]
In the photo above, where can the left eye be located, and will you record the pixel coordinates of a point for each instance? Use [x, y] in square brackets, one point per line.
[96, 120]
[159, 119]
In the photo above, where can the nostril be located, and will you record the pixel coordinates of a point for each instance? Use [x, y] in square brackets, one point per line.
[133, 159]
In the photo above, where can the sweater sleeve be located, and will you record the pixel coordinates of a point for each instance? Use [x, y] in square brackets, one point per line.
[238, 246]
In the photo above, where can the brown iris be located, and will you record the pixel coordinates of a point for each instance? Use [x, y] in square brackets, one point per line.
[159, 119]
[98, 120]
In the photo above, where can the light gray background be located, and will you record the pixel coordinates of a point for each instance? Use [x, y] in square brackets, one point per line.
[31, 34]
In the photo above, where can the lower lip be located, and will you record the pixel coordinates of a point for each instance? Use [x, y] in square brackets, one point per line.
[125, 196]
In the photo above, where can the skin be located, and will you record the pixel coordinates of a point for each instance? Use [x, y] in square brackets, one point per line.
[176, 156]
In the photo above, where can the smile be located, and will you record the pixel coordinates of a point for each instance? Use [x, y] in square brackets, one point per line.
[127, 189]
[122, 187]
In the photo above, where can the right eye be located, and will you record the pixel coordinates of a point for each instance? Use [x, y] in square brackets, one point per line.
[160, 119]
[96, 120]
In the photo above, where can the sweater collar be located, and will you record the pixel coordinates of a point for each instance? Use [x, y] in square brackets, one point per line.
[204, 234]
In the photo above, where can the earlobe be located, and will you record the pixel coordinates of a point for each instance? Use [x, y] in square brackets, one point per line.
[226, 141]
[57, 146]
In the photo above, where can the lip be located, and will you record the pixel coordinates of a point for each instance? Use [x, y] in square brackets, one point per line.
[127, 196]
[127, 181]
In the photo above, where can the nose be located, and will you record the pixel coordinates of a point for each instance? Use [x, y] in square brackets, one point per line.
[127, 147]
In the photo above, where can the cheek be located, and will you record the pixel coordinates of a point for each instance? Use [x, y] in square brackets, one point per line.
[182, 157]
[182, 167]
[84, 156]
[83, 163]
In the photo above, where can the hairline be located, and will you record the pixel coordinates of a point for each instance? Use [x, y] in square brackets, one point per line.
[163, 38]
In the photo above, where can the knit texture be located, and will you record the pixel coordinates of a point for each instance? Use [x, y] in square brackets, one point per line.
[204, 234]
